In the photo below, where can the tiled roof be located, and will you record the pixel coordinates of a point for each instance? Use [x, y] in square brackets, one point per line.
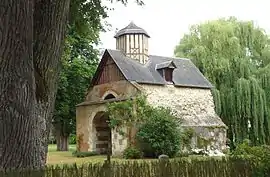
[185, 74]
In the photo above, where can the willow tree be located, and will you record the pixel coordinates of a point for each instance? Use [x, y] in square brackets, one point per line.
[234, 55]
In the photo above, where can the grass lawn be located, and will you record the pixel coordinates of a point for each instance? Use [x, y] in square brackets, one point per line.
[56, 157]
[60, 158]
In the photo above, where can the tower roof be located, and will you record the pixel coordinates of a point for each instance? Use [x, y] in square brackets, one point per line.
[131, 29]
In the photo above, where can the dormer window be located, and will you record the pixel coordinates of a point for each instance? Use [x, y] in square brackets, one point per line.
[168, 74]
[166, 70]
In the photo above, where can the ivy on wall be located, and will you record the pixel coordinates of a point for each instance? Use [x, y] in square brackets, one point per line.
[127, 113]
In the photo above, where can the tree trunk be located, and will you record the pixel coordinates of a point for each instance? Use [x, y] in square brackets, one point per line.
[62, 142]
[50, 19]
[19, 129]
[29, 77]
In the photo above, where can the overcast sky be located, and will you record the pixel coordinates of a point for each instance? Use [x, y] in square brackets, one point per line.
[167, 20]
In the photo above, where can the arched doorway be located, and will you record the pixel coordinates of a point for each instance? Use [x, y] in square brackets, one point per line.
[102, 133]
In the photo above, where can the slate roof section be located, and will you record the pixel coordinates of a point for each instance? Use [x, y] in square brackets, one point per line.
[131, 29]
[133, 70]
[186, 74]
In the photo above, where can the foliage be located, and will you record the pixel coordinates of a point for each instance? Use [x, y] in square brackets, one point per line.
[87, 18]
[260, 155]
[79, 63]
[74, 81]
[128, 112]
[159, 133]
[79, 60]
[132, 152]
[186, 137]
[158, 129]
[234, 55]
[83, 154]
[184, 167]
[72, 139]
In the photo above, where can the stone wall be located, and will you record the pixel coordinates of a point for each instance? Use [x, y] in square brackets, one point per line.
[119, 143]
[85, 114]
[87, 134]
[84, 126]
[195, 106]
[209, 138]
[196, 109]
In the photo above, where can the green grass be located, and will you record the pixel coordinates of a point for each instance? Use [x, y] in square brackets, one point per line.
[65, 157]
[52, 147]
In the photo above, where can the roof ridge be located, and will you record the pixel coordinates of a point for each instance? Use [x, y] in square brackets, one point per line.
[176, 58]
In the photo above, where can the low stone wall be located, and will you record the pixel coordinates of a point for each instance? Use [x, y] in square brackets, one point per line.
[119, 143]
[210, 140]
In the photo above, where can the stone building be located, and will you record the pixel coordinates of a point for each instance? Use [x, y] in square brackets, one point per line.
[129, 70]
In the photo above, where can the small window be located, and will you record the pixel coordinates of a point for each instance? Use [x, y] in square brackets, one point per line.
[110, 96]
[168, 73]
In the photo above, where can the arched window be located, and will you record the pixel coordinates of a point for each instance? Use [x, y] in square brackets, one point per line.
[109, 96]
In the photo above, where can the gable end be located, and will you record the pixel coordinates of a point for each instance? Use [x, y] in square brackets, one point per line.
[107, 71]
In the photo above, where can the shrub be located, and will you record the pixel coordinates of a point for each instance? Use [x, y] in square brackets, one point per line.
[245, 149]
[72, 139]
[259, 154]
[132, 153]
[83, 154]
[159, 134]
[186, 137]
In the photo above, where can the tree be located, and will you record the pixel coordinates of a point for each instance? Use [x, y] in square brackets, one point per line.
[32, 37]
[18, 123]
[234, 55]
[78, 66]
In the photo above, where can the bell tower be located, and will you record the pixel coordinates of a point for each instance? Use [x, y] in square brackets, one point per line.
[133, 42]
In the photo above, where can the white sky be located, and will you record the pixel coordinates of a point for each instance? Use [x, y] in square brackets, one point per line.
[167, 20]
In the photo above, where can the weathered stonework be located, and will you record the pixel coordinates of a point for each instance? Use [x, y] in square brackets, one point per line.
[119, 143]
[193, 105]
[120, 89]
[84, 126]
[86, 133]
[209, 138]
[92, 107]
[196, 109]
